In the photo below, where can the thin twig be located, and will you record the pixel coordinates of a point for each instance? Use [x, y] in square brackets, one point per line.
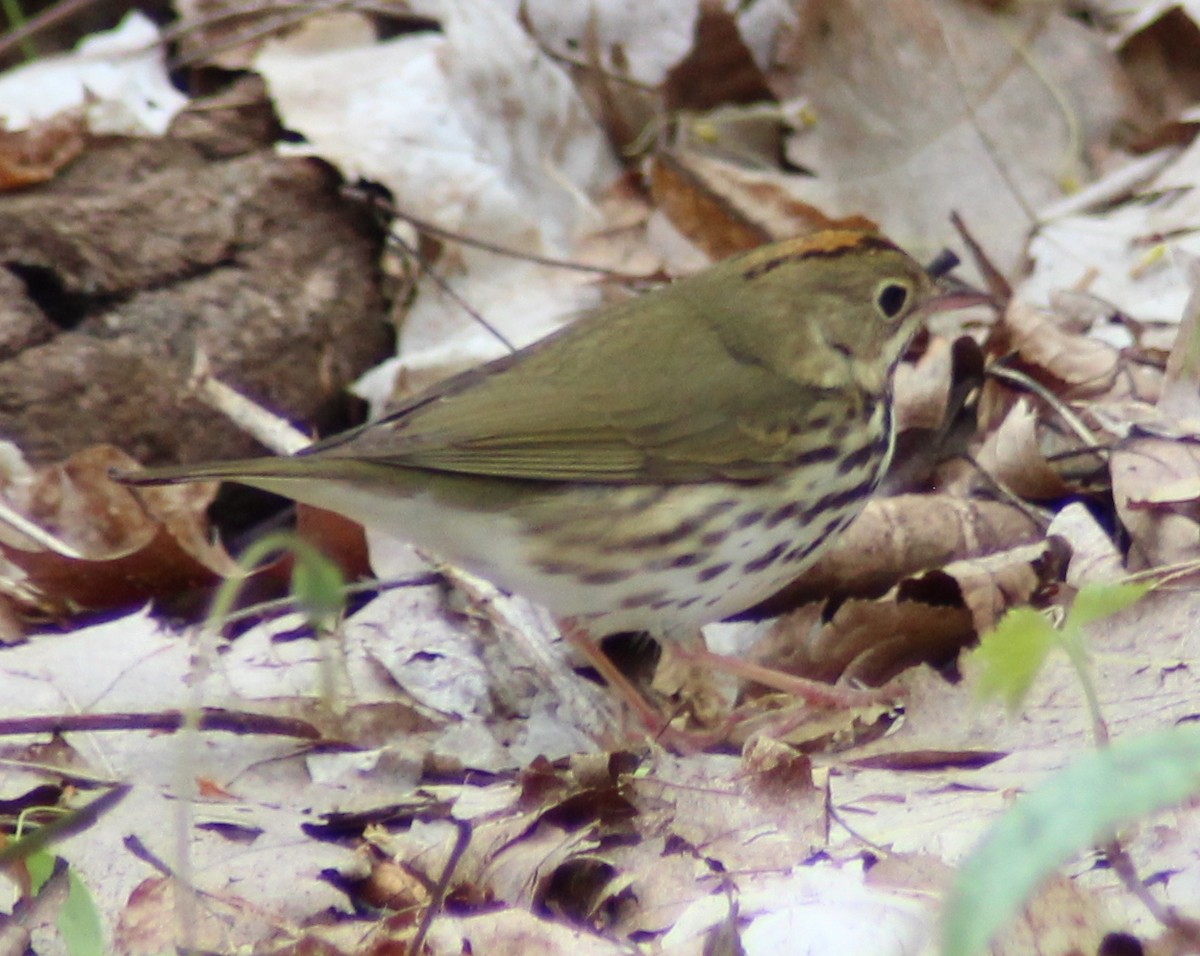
[1064, 411]
[211, 718]
[454, 297]
[423, 225]
[442, 887]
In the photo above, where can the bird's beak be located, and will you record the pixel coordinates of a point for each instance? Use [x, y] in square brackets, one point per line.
[958, 296]
[952, 293]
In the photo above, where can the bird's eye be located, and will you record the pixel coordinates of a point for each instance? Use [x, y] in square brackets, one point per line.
[890, 297]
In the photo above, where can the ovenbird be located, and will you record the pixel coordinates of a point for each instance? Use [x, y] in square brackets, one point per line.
[657, 465]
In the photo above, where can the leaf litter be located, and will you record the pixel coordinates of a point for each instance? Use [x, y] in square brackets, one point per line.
[822, 832]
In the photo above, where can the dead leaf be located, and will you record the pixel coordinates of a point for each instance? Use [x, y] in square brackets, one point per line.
[36, 154]
[127, 547]
[914, 104]
[993, 583]
[1085, 366]
[698, 212]
[1094, 555]
[724, 208]
[870, 641]
[921, 388]
[1181, 381]
[937, 411]
[1063, 919]
[1160, 533]
[1012, 455]
[926, 618]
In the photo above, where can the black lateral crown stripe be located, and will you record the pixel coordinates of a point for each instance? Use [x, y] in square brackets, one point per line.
[869, 243]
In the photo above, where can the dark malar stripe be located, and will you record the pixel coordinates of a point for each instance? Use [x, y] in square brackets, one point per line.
[889, 424]
[874, 451]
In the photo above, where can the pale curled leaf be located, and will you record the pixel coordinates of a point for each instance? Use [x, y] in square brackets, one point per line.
[1140, 468]
[1180, 394]
[1012, 456]
[1083, 364]
[1094, 555]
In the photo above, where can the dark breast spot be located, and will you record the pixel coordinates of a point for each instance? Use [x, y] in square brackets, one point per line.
[780, 515]
[764, 561]
[714, 538]
[611, 576]
[830, 528]
[749, 518]
[682, 530]
[814, 456]
[860, 457]
[800, 552]
[712, 571]
[644, 599]
[845, 499]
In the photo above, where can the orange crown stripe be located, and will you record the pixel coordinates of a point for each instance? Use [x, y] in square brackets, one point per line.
[822, 245]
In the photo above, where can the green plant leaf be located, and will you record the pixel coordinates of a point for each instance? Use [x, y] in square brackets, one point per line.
[1095, 601]
[40, 865]
[1076, 808]
[79, 921]
[78, 918]
[318, 585]
[1013, 653]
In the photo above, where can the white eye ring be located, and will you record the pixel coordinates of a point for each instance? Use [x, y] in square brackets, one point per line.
[891, 296]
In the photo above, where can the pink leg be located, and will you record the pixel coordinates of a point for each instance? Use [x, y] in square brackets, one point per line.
[814, 692]
[621, 685]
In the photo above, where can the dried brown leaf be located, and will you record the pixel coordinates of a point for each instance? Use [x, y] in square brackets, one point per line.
[718, 69]
[922, 388]
[938, 417]
[130, 547]
[927, 106]
[992, 584]
[36, 154]
[1062, 919]
[1012, 455]
[1082, 365]
[724, 208]
[699, 212]
[879, 639]
[927, 618]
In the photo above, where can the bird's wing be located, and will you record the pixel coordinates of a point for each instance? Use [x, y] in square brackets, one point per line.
[594, 403]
